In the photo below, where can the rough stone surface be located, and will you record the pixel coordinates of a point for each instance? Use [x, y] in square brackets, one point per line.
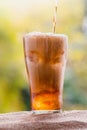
[68, 120]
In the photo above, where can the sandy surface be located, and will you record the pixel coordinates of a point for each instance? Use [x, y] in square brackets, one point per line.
[68, 120]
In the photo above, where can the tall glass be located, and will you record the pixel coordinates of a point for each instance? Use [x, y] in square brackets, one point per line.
[45, 58]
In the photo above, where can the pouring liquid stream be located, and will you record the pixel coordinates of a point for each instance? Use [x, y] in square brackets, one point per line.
[55, 16]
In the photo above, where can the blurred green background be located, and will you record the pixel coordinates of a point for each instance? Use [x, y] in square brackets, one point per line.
[21, 16]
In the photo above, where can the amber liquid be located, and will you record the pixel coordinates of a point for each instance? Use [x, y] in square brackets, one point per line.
[45, 58]
[55, 16]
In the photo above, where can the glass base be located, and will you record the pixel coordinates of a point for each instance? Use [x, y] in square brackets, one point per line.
[45, 111]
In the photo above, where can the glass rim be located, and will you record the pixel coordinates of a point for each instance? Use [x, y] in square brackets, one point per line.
[36, 33]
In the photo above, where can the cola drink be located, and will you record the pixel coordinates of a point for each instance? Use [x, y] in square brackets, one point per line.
[45, 58]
